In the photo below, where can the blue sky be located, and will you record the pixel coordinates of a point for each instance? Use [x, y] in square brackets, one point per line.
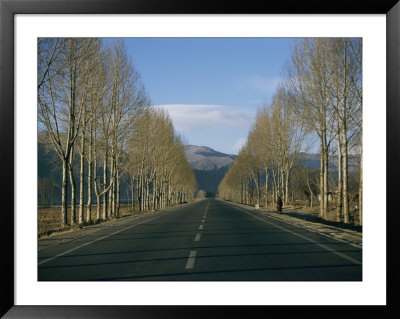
[211, 87]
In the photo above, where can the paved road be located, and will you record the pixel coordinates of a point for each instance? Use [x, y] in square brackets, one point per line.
[208, 240]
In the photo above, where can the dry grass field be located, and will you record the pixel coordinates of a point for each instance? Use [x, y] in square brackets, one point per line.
[49, 219]
[302, 208]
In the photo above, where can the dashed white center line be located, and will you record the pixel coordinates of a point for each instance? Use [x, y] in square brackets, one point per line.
[197, 237]
[192, 255]
[191, 259]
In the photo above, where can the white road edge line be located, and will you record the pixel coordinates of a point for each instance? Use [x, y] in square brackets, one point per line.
[68, 241]
[355, 261]
[162, 213]
[197, 237]
[91, 242]
[319, 233]
[316, 231]
[191, 259]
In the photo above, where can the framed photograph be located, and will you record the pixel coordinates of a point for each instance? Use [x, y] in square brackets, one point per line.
[30, 289]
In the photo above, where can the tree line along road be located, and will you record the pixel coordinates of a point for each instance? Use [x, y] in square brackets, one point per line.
[208, 240]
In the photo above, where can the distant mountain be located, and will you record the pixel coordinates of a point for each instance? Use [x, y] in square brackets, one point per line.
[209, 166]
[204, 158]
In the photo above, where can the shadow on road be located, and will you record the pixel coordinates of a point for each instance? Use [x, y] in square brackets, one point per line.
[227, 271]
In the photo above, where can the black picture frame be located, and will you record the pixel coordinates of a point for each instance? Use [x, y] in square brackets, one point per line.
[8, 10]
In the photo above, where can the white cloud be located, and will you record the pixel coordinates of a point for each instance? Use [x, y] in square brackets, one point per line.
[188, 118]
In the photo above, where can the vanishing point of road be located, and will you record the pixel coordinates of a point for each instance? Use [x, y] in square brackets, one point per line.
[207, 240]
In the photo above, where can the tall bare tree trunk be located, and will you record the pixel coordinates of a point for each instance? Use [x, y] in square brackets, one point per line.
[89, 200]
[345, 180]
[73, 189]
[89, 179]
[147, 195]
[133, 193]
[326, 204]
[258, 188]
[340, 183]
[114, 189]
[169, 195]
[321, 181]
[287, 188]
[155, 194]
[339, 207]
[140, 192]
[81, 176]
[266, 187]
[64, 191]
[344, 141]
[98, 199]
[117, 204]
[111, 193]
[256, 182]
[105, 203]
[282, 187]
[96, 180]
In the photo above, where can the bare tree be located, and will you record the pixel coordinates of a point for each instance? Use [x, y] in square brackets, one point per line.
[61, 96]
[93, 92]
[321, 93]
[163, 176]
[308, 78]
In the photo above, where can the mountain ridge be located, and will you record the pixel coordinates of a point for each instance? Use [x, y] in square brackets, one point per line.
[206, 159]
[209, 166]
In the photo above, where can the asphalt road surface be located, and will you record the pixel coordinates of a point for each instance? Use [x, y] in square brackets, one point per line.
[208, 240]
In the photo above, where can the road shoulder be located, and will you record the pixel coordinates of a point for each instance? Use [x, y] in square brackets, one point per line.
[349, 236]
[72, 234]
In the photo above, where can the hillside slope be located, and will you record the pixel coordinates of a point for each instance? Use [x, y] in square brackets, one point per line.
[209, 166]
